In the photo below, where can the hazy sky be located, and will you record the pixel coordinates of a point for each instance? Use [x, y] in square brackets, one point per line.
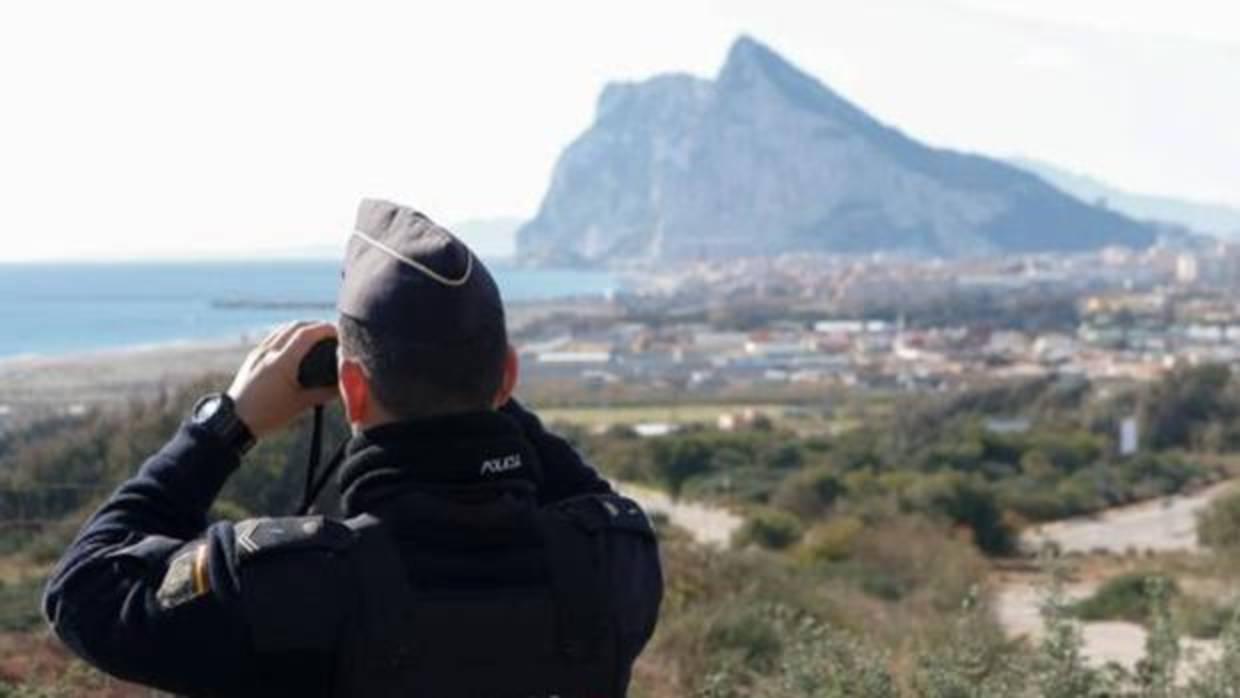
[133, 129]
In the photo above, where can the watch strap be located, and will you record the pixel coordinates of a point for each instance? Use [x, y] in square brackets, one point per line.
[224, 423]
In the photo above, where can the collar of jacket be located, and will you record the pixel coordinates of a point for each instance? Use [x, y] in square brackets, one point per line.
[470, 455]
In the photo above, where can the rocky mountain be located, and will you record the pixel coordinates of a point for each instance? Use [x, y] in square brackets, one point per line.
[1213, 219]
[765, 159]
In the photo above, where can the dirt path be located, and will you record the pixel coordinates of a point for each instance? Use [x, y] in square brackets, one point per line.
[709, 525]
[1163, 525]
[1017, 604]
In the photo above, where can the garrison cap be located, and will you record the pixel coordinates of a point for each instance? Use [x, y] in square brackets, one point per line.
[405, 274]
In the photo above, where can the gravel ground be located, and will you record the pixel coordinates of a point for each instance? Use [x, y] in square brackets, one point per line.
[1163, 525]
[707, 524]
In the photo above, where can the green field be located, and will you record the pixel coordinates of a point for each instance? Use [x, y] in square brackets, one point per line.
[639, 414]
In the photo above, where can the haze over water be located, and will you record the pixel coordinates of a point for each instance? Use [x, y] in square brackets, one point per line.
[60, 308]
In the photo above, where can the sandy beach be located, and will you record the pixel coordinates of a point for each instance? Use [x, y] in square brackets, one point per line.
[38, 386]
[32, 387]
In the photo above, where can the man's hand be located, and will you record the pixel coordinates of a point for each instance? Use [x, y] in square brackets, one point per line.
[266, 390]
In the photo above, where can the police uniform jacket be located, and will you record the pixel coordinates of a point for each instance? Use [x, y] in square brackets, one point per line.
[151, 592]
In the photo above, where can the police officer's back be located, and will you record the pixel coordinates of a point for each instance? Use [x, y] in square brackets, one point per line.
[475, 554]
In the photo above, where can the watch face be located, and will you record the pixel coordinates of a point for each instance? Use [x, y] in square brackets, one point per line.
[207, 409]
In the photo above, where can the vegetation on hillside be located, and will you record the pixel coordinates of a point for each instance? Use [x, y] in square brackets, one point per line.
[984, 462]
[861, 568]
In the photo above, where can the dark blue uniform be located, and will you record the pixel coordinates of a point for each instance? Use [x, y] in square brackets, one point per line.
[151, 593]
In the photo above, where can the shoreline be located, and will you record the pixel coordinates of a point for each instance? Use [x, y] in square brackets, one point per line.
[121, 351]
[37, 387]
[520, 313]
[34, 386]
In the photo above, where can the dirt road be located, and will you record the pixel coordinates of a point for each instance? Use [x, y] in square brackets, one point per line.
[1161, 525]
[1164, 525]
[709, 525]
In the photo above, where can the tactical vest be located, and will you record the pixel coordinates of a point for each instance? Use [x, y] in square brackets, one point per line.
[552, 640]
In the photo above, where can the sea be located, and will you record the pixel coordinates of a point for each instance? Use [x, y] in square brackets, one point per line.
[49, 309]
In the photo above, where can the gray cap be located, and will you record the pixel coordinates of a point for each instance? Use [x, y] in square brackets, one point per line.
[405, 274]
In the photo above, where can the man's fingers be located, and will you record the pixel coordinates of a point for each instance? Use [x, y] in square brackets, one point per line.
[307, 336]
[272, 336]
[286, 333]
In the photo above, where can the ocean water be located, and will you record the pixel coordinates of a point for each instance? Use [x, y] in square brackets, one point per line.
[49, 309]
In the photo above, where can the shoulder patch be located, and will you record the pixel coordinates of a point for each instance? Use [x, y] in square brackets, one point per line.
[607, 511]
[256, 537]
[626, 514]
[186, 578]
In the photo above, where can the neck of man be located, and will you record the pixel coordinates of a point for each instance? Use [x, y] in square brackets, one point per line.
[380, 416]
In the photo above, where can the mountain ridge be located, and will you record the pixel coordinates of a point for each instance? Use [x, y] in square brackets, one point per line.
[764, 158]
[1206, 217]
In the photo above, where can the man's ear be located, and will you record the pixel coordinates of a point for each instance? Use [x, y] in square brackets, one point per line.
[512, 368]
[355, 389]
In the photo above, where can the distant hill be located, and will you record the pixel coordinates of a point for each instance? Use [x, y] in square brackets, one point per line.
[1214, 219]
[765, 159]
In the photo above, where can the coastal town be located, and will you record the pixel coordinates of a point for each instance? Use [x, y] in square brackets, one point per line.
[892, 324]
[795, 329]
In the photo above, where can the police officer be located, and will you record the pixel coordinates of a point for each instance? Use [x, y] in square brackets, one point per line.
[476, 555]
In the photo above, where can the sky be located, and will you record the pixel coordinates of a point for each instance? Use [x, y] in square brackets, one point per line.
[156, 129]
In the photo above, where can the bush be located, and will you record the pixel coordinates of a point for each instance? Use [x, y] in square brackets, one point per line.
[910, 557]
[675, 460]
[967, 501]
[831, 541]
[809, 493]
[1218, 525]
[752, 485]
[771, 529]
[747, 636]
[1125, 597]
[19, 605]
[1201, 618]
[1178, 408]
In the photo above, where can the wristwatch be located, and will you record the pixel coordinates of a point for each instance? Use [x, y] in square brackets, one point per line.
[216, 413]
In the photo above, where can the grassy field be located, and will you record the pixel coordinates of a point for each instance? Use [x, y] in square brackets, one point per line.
[804, 421]
[603, 416]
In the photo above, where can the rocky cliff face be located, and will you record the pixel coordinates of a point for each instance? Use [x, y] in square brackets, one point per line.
[765, 159]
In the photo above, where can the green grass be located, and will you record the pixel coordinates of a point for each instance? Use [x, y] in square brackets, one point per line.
[1125, 597]
[19, 604]
[676, 414]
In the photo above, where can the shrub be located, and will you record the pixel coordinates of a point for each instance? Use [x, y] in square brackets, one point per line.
[831, 541]
[823, 662]
[809, 493]
[964, 500]
[750, 484]
[19, 605]
[972, 660]
[675, 460]
[1125, 597]
[912, 557]
[1218, 525]
[1058, 669]
[786, 456]
[771, 529]
[1201, 618]
[745, 635]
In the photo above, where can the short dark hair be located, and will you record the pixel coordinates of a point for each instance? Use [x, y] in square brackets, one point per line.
[412, 379]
